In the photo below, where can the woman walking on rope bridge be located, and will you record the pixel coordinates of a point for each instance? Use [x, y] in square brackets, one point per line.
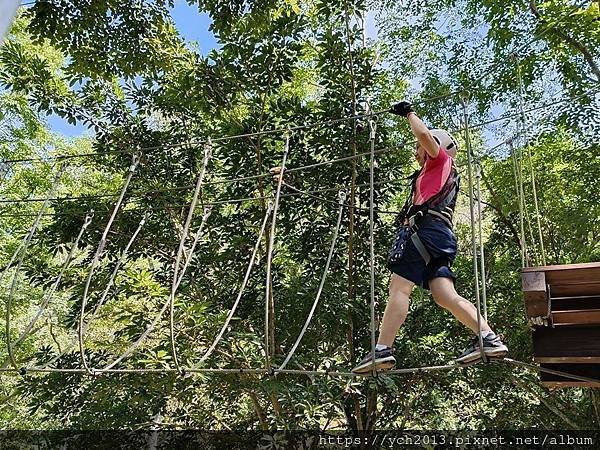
[425, 248]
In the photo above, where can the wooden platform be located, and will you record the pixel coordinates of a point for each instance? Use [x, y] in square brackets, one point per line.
[562, 302]
[584, 370]
[570, 287]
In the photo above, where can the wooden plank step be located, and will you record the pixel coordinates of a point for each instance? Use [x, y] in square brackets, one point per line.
[563, 267]
[591, 288]
[584, 370]
[575, 303]
[576, 317]
[565, 274]
[576, 344]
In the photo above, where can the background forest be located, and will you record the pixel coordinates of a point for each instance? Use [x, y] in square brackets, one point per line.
[123, 70]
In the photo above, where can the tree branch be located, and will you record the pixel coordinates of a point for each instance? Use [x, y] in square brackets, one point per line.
[573, 43]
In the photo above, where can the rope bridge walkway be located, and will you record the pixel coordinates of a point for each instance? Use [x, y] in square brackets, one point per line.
[183, 258]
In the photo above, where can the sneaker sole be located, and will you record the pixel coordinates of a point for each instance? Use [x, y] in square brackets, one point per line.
[381, 364]
[469, 358]
[498, 353]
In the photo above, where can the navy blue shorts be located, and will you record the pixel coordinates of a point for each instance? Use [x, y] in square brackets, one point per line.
[405, 260]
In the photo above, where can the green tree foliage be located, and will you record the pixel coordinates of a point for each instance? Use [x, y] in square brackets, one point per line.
[122, 69]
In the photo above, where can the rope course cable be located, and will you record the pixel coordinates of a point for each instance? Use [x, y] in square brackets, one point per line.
[47, 297]
[309, 166]
[233, 309]
[342, 199]
[150, 327]
[270, 247]
[470, 158]
[480, 237]
[271, 212]
[98, 255]
[524, 143]
[372, 137]
[508, 116]
[180, 251]
[22, 250]
[520, 201]
[111, 280]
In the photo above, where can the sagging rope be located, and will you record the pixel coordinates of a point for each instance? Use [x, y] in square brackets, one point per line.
[184, 234]
[47, 297]
[233, 309]
[342, 198]
[177, 279]
[20, 254]
[150, 327]
[111, 280]
[99, 252]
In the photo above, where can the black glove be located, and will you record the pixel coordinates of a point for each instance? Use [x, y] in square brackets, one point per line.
[401, 109]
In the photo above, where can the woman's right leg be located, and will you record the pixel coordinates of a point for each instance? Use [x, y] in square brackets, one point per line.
[396, 309]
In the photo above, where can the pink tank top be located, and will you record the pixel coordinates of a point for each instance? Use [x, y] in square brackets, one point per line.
[433, 176]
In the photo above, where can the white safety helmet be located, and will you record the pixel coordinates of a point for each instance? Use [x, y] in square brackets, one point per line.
[445, 140]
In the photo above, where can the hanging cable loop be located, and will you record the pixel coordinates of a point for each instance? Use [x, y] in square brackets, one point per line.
[47, 297]
[20, 252]
[181, 249]
[95, 261]
[342, 199]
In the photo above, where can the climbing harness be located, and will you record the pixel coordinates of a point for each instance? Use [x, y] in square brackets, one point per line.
[440, 207]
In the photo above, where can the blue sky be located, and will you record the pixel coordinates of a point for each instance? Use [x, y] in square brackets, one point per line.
[193, 27]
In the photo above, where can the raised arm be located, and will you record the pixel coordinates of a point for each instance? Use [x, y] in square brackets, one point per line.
[418, 128]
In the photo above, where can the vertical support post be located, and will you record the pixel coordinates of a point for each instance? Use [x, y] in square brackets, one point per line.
[269, 280]
[472, 216]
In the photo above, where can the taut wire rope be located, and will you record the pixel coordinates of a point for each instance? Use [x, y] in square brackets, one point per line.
[99, 252]
[481, 248]
[519, 189]
[47, 296]
[22, 251]
[472, 217]
[372, 137]
[525, 143]
[270, 247]
[508, 116]
[242, 288]
[309, 166]
[342, 198]
[181, 249]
